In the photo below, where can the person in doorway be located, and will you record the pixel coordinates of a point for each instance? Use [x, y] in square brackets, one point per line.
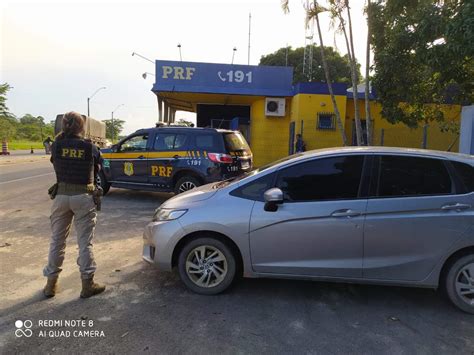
[76, 164]
[300, 145]
[47, 145]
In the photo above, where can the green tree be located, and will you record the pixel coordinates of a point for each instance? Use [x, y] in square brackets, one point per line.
[423, 53]
[4, 88]
[339, 66]
[8, 123]
[337, 9]
[312, 13]
[32, 128]
[112, 131]
[368, 114]
[8, 127]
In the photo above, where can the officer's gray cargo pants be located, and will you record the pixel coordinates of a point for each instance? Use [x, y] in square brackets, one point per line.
[65, 209]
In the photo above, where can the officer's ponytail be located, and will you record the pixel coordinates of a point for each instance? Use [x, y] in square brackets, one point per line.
[72, 125]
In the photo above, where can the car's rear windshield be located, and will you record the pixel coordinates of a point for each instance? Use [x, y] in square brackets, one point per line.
[235, 142]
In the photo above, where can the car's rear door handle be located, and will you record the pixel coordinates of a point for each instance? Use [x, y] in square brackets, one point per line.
[456, 207]
[176, 156]
[141, 157]
[345, 213]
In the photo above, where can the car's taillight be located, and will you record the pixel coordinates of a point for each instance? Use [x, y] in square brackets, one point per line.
[220, 158]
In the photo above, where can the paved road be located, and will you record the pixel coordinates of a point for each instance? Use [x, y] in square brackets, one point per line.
[145, 310]
[14, 174]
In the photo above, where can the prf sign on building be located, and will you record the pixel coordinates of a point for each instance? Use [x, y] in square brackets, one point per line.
[263, 103]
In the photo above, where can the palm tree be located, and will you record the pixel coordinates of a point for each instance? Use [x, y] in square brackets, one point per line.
[368, 115]
[337, 8]
[355, 79]
[312, 13]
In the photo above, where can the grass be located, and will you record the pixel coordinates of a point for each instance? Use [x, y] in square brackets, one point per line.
[24, 144]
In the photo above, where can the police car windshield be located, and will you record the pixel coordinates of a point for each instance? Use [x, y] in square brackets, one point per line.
[221, 184]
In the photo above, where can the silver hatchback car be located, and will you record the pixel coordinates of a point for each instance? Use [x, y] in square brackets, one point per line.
[367, 215]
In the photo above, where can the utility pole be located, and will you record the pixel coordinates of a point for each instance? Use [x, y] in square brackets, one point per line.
[112, 124]
[308, 51]
[233, 54]
[112, 121]
[248, 51]
[90, 97]
[143, 57]
[180, 56]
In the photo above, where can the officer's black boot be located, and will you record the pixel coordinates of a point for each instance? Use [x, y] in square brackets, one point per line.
[90, 288]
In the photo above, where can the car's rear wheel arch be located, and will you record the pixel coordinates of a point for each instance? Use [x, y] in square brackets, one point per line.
[451, 260]
[209, 234]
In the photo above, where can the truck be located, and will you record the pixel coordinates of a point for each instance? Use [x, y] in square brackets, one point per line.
[94, 130]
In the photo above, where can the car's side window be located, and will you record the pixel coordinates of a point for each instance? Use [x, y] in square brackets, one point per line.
[169, 141]
[255, 189]
[412, 176]
[205, 141]
[321, 179]
[134, 144]
[465, 172]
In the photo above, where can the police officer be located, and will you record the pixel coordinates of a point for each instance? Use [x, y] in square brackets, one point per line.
[300, 145]
[76, 163]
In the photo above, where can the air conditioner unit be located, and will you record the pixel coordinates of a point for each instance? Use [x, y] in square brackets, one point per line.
[275, 106]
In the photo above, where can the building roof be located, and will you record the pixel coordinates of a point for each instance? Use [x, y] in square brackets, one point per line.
[319, 88]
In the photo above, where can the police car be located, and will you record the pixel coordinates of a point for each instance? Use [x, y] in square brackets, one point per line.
[174, 159]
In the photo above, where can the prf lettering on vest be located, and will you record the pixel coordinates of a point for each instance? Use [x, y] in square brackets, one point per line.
[178, 73]
[163, 171]
[72, 153]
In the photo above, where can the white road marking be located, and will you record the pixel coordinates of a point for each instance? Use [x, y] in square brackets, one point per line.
[25, 178]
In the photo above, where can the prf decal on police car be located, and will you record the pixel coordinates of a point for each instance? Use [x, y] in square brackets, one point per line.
[71, 153]
[160, 170]
[128, 168]
[193, 158]
[106, 163]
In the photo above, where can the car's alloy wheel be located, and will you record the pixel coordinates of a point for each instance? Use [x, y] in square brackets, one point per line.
[465, 284]
[186, 183]
[186, 186]
[206, 266]
[459, 283]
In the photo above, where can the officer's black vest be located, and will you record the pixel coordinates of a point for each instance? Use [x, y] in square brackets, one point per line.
[73, 161]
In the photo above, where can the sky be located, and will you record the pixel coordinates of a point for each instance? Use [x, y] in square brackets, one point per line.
[56, 54]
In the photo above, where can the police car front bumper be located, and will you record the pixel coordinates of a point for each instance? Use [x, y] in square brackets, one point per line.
[159, 240]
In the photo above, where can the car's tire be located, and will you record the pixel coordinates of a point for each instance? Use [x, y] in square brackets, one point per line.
[102, 182]
[207, 276]
[186, 183]
[459, 283]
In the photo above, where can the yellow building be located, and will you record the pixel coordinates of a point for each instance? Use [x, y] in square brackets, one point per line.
[263, 103]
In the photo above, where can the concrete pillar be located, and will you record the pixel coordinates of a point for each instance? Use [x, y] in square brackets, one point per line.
[173, 115]
[424, 143]
[166, 116]
[160, 109]
[466, 141]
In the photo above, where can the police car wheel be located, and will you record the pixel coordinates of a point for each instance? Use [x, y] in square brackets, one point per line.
[207, 266]
[102, 182]
[186, 183]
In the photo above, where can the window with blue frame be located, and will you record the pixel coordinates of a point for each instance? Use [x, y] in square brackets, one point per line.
[326, 120]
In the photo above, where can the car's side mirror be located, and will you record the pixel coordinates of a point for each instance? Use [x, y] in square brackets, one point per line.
[273, 197]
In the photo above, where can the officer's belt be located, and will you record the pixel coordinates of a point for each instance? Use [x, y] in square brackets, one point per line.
[74, 189]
